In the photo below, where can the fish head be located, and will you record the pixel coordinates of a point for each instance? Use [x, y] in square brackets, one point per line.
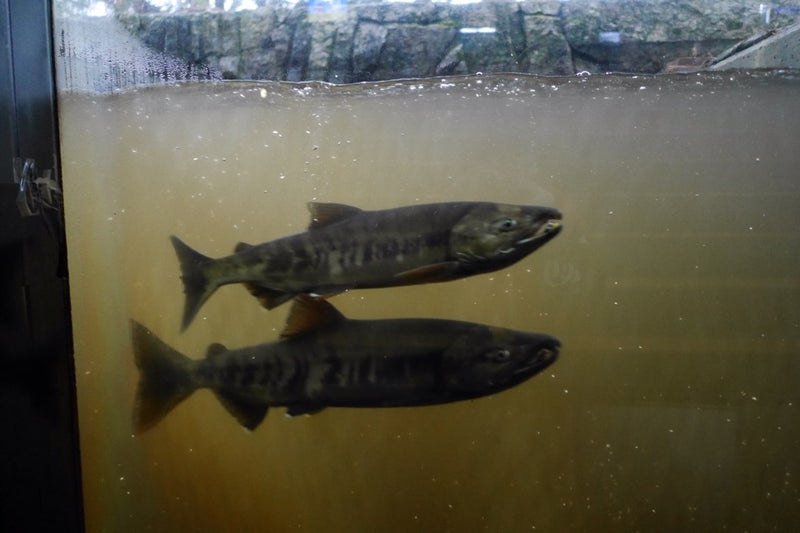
[492, 236]
[490, 359]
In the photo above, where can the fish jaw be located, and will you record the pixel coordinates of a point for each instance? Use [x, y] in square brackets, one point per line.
[496, 359]
[494, 236]
[543, 232]
[525, 246]
[538, 360]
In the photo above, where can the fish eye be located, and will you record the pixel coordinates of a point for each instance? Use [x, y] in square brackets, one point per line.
[507, 224]
[498, 356]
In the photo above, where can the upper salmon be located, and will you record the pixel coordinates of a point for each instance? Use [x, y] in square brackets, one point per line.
[348, 248]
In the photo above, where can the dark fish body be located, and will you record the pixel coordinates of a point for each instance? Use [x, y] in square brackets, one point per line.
[327, 360]
[348, 248]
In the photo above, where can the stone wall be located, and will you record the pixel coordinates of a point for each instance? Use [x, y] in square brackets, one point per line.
[377, 41]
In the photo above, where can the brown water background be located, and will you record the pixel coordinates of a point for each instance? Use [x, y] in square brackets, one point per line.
[674, 288]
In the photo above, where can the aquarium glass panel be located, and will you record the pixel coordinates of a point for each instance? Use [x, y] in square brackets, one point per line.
[435, 266]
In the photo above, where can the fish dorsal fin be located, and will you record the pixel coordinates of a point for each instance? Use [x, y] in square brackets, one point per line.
[215, 349]
[323, 214]
[309, 313]
[242, 246]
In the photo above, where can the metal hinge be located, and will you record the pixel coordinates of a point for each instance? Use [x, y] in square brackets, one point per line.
[36, 193]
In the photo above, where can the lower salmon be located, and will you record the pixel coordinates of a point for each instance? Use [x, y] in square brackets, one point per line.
[327, 360]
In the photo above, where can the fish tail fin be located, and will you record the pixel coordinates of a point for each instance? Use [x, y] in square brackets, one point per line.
[165, 378]
[196, 285]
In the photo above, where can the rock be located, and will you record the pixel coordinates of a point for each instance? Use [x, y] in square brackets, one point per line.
[500, 50]
[636, 36]
[368, 43]
[300, 46]
[453, 63]
[378, 41]
[323, 35]
[547, 49]
[341, 69]
[413, 50]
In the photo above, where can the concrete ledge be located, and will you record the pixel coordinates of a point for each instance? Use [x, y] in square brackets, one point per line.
[779, 51]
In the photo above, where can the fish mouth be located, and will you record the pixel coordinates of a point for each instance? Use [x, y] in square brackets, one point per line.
[544, 357]
[543, 232]
[546, 230]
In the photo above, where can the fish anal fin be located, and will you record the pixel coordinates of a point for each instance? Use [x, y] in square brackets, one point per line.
[323, 214]
[428, 273]
[248, 411]
[215, 349]
[268, 298]
[303, 409]
[309, 313]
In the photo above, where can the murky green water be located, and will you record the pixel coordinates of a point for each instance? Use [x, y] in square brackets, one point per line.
[674, 289]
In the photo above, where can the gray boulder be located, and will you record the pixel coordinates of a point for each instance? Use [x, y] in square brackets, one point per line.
[379, 41]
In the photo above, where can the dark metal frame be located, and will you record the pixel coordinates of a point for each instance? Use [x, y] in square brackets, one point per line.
[40, 481]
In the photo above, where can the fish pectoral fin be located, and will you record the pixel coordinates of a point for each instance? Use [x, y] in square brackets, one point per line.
[428, 273]
[268, 298]
[248, 411]
[303, 409]
[323, 214]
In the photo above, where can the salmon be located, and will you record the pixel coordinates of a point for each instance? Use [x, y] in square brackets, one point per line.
[327, 360]
[349, 248]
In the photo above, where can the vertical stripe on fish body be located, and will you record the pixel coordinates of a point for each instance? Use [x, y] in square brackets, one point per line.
[364, 249]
